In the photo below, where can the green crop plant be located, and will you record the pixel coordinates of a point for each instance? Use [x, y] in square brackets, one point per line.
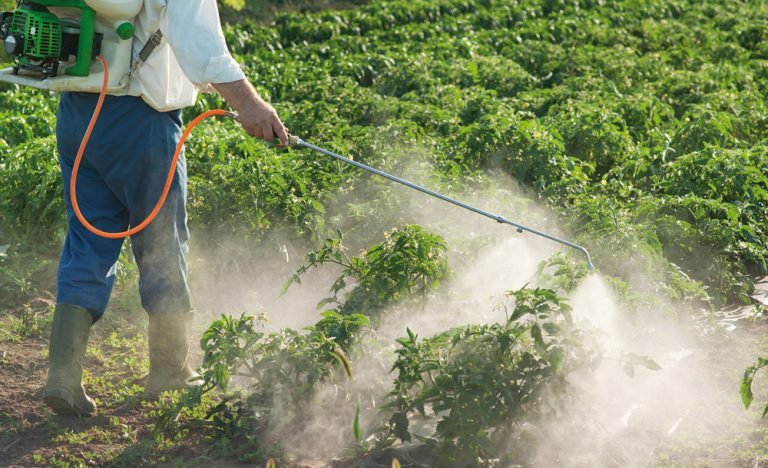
[409, 263]
[31, 205]
[482, 383]
[258, 373]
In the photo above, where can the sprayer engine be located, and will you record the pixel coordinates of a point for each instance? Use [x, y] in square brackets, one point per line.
[45, 36]
[38, 40]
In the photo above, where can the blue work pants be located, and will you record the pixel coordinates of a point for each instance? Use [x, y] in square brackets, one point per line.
[120, 179]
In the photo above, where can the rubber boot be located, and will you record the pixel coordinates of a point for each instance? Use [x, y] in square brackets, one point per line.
[64, 392]
[168, 348]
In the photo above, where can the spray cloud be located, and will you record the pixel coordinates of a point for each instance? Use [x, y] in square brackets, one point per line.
[620, 420]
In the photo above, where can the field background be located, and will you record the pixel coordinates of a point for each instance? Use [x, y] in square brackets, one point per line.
[635, 129]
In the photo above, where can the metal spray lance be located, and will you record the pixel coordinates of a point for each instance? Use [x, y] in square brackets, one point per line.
[296, 141]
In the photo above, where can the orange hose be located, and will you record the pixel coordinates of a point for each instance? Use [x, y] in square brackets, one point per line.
[168, 181]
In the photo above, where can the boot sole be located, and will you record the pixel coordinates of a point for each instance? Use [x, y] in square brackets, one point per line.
[63, 405]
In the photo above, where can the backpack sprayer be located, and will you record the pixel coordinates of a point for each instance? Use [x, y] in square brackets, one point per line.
[41, 35]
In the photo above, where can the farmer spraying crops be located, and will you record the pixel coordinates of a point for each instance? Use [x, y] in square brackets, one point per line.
[140, 61]
[178, 49]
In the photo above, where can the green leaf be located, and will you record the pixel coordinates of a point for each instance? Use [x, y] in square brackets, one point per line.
[644, 361]
[356, 424]
[295, 278]
[324, 302]
[746, 382]
[319, 207]
[537, 337]
[746, 391]
[473, 72]
[551, 328]
[733, 213]
[649, 363]
[234, 4]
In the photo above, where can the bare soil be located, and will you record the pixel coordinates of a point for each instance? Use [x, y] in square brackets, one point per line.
[30, 435]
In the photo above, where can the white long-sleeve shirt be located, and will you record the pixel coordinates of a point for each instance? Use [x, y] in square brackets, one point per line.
[192, 54]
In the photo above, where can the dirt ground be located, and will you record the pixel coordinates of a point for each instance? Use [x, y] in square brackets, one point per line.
[30, 435]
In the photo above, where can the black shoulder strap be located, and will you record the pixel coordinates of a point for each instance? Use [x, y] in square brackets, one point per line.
[154, 40]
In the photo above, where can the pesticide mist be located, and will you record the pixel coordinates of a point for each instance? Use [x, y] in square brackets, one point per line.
[634, 415]
[640, 379]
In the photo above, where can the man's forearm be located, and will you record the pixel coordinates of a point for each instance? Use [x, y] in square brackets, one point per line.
[238, 93]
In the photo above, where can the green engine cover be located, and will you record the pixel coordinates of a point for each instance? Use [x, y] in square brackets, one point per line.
[41, 31]
[38, 41]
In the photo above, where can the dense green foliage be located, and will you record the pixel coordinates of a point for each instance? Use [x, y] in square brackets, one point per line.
[603, 110]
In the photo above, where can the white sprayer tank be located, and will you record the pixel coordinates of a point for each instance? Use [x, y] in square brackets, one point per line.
[116, 10]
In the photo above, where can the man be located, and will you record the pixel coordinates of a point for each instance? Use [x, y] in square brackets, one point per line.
[120, 179]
